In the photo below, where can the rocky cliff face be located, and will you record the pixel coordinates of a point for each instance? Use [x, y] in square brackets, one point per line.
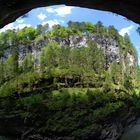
[110, 46]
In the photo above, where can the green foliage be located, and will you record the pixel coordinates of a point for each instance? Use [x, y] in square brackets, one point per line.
[116, 73]
[39, 38]
[70, 111]
[62, 31]
[49, 55]
[100, 29]
[41, 29]
[20, 85]
[110, 108]
[113, 32]
[9, 68]
[28, 63]
[83, 27]
[26, 35]
[129, 45]
[29, 103]
[96, 57]
[71, 92]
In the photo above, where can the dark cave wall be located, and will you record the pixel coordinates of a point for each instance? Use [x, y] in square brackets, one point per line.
[12, 9]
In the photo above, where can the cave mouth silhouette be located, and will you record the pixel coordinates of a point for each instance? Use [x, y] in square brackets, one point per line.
[12, 9]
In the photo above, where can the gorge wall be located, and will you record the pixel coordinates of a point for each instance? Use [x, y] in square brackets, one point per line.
[109, 45]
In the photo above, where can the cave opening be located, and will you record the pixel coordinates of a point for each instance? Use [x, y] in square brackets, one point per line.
[68, 72]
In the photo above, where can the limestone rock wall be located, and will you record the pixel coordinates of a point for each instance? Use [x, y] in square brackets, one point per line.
[109, 45]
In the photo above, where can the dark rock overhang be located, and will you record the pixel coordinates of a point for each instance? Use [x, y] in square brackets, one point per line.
[10, 10]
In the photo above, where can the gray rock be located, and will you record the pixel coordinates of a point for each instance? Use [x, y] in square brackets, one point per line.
[109, 45]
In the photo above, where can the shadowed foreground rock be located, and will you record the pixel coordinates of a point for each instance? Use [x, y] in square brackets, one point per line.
[12, 9]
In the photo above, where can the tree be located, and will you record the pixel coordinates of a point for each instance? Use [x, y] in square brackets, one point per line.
[80, 26]
[84, 27]
[107, 86]
[96, 57]
[9, 68]
[1, 73]
[117, 76]
[99, 28]
[64, 55]
[49, 56]
[41, 29]
[127, 41]
[26, 35]
[28, 63]
[11, 42]
[90, 28]
[112, 31]
[60, 31]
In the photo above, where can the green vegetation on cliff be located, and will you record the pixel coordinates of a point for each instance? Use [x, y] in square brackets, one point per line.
[68, 91]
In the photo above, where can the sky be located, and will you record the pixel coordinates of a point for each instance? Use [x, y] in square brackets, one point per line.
[61, 14]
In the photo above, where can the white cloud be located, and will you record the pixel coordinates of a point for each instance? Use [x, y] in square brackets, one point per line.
[41, 16]
[21, 26]
[62, 21]
[125, 30]
[9, 26]
[20, 20]
[13, 26]
[50, 10]
[61, 11]
[51, 22]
